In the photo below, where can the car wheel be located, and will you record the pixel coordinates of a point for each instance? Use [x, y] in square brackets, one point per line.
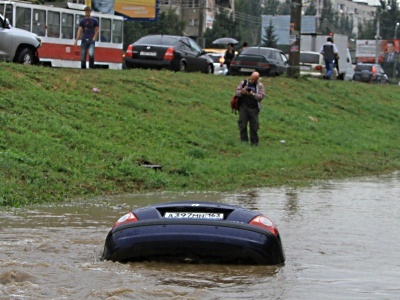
[26, 57]
[182, 66]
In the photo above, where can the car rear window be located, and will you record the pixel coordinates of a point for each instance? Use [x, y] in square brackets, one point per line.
[257, 51]
[158, 40]
[363, 67]
[309, 58]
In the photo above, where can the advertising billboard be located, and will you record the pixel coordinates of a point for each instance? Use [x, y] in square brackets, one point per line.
[140, 10]
[386, 50]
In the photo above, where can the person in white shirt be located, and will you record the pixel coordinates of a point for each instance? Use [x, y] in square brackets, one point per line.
[330, 53]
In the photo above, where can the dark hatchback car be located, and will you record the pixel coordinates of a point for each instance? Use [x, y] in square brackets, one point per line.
[266, 61]
[176, 53]
[373, 73]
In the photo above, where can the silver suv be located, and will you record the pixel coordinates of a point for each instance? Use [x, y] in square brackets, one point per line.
[18, 45]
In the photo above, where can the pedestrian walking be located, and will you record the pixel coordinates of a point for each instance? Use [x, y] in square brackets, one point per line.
[330, 53]
[89, 30]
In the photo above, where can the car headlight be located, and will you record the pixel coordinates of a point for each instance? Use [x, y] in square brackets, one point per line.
[39, 40]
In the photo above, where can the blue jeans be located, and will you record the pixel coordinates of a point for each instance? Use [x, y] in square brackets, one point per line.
[87, 46]
[329, 67]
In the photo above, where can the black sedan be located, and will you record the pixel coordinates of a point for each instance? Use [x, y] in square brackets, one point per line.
[266, 61]
[373, 73]
[176, 53]
[194, 231]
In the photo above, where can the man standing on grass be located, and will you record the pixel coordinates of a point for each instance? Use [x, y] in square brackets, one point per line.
[89, 29]
[250, 92]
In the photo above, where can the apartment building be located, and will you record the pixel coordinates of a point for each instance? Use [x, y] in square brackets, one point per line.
[360, 11]
[200, 14]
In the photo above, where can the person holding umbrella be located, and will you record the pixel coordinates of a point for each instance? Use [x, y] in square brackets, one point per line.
[229, 55]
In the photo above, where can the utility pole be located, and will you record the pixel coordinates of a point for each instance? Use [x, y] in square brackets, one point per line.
[295, 33]
[200, 38]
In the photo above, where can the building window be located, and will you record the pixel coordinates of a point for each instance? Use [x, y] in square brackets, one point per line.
[193, 22]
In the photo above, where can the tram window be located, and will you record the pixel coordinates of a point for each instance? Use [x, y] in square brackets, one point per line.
[105, 30]
[53, 24]
[98, 21]
[78, 18]
[39, 22]
[117, 31]
[23, 18]
[67, 26]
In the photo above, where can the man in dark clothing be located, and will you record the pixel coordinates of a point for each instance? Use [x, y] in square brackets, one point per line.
[250, 93]
[330, 53]
[90, 28]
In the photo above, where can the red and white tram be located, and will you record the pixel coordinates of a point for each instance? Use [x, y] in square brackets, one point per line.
[57, 28]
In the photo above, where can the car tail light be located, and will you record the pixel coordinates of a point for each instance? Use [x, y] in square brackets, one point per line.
[129, 50]
[169, 54]
[263, 222]
[264, 65]
[373, 71]
[221, 60]
[235, 62]
[125, 219]
[318, 68]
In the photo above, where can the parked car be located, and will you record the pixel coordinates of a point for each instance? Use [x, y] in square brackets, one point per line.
[266, 61]
[219, 66]
[373, 73]
[312, 64]
[18, 45]
[176, 53]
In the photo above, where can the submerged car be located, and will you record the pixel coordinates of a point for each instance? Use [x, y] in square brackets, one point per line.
[266, 61]
[373, 73]
[176, 53]
[195, 231]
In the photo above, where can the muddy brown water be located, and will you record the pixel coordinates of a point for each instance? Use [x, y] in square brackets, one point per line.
[340, 238]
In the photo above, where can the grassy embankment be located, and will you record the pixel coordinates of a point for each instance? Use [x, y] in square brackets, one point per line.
[59, 140]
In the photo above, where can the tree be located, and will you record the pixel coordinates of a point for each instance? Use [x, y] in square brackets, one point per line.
[329, 18]
[311, 10]
[285, 8]
[271, 39]
[223, 26]
[388, 19]
[248, 18]
[270, 7]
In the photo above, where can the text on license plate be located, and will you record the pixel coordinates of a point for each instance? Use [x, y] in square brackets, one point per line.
[194, 215]
[144, 53]
[247, 70]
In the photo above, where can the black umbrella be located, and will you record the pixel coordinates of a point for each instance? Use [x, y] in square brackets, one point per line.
[225, 40]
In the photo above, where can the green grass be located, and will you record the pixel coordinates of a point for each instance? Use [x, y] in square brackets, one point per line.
[61, 141]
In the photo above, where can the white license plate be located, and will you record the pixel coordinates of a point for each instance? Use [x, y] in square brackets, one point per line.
[144, 53]
[194, 215]
[247, 70]
[305, 68]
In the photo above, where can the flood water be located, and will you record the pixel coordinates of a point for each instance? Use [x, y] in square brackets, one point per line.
[341, 241]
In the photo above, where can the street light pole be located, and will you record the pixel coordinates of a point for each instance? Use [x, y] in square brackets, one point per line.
[295, 34]
[395, 30]
[377, 37]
